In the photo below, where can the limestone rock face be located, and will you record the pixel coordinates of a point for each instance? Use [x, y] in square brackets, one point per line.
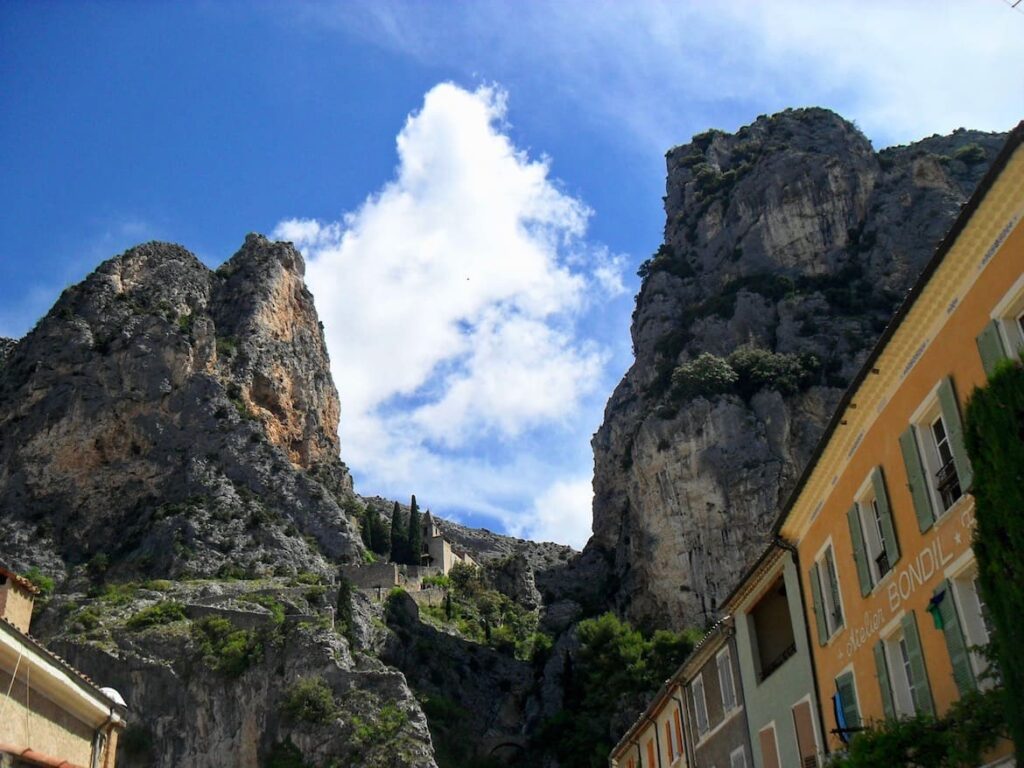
[170, 420]
[792, 238]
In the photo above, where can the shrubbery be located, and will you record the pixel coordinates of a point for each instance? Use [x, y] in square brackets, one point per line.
[224, 648]
[745, 372]
[310, 700]
[161, 613]
[958, 740]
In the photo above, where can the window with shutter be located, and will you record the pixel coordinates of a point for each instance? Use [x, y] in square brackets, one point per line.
[872, 532]
[956, 642]
[700, 705]
[847, 691]
[725, 680]
[938, 467]
[825, 592]
[738, 758]
[1004, 336]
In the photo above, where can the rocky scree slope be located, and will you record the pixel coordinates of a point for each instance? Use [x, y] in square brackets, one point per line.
[788, 246]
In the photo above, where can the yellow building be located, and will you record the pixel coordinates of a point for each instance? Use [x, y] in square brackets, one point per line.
[883, 517]
[656, 739]
[50, 714]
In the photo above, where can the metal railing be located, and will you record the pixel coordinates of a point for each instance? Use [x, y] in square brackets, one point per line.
[948, 484]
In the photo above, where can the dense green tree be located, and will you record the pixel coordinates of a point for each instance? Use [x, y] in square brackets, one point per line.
[399, 540]
[614, 663]
[415, 535]
[994, 435]
[379, 535]
[344, 621]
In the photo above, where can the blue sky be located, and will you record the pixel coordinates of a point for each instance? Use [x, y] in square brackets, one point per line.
[473, 184]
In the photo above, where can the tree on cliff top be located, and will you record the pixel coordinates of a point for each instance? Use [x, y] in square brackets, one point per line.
[415, 535]
[399, 539]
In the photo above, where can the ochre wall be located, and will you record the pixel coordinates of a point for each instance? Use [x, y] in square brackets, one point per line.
[42, 725]
[953, 352]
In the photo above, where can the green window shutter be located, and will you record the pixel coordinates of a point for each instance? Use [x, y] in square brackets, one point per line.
[844, 684]
[920, 690]
[959, 655]
[883, 681]
[819, 605]
[860, 556]
[955, 430]
[916, 479]
[892, 547]
[990, 347]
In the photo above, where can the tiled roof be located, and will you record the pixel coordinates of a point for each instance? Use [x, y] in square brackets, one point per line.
[19, 580]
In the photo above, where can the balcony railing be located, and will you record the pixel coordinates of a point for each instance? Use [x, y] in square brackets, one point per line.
[948, 484]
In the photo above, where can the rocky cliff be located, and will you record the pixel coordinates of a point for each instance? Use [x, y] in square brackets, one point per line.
[164, 418]
[788, 245]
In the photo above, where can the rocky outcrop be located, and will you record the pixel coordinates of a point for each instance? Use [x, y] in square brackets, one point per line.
[284, 684]
[166, 419]
[793, 242]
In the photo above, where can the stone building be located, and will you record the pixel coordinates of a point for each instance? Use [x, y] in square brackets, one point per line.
[437, 550]
[50, 714]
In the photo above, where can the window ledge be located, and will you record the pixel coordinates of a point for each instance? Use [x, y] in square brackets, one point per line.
[965, 501]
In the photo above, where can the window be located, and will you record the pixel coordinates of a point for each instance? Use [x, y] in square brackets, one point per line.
[964, 623]
[772, 630]
[769, 747]
[700, 706]
[679, 731]
[738, 758]
[938, 470]
[669, 743]
[845, 707]
[902, 676]
[1004, 336]
[650, 753]
[873, 533]
[828, 606]
[725, 681]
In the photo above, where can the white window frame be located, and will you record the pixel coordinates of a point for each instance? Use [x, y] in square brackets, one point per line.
[924, 420]
[898, 662]
[969, 609]
[742, 753]
[1009, 317]
[723, 660]
[828, 597]
[866, 500]
[700, 707]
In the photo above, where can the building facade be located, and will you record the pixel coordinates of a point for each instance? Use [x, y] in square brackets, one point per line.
[883, 516]
[51, 715]
[780, 698]
[715, 722]
[656, 739]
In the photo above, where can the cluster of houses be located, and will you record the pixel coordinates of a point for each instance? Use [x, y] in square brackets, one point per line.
[865, 606]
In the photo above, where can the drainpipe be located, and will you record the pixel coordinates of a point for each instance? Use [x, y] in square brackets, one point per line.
[783, 544]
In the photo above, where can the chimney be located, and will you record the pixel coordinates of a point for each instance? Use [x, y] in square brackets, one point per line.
[16, 597]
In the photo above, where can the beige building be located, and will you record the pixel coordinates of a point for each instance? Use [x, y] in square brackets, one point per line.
[50, 714]
[437, 550]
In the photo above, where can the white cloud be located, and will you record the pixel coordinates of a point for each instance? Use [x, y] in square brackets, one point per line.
[658, 70]
[562, 513]
[450, 301]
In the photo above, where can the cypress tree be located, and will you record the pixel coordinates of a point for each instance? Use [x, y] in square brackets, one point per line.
[343, 619]
[415, 535]
[366, 530]
[994, 436]
[399, 541]
[380, 537]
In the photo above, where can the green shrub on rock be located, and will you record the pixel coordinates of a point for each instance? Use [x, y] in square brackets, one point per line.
[161, 613]
[706, 376]
[224, 648]
[310, 700]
